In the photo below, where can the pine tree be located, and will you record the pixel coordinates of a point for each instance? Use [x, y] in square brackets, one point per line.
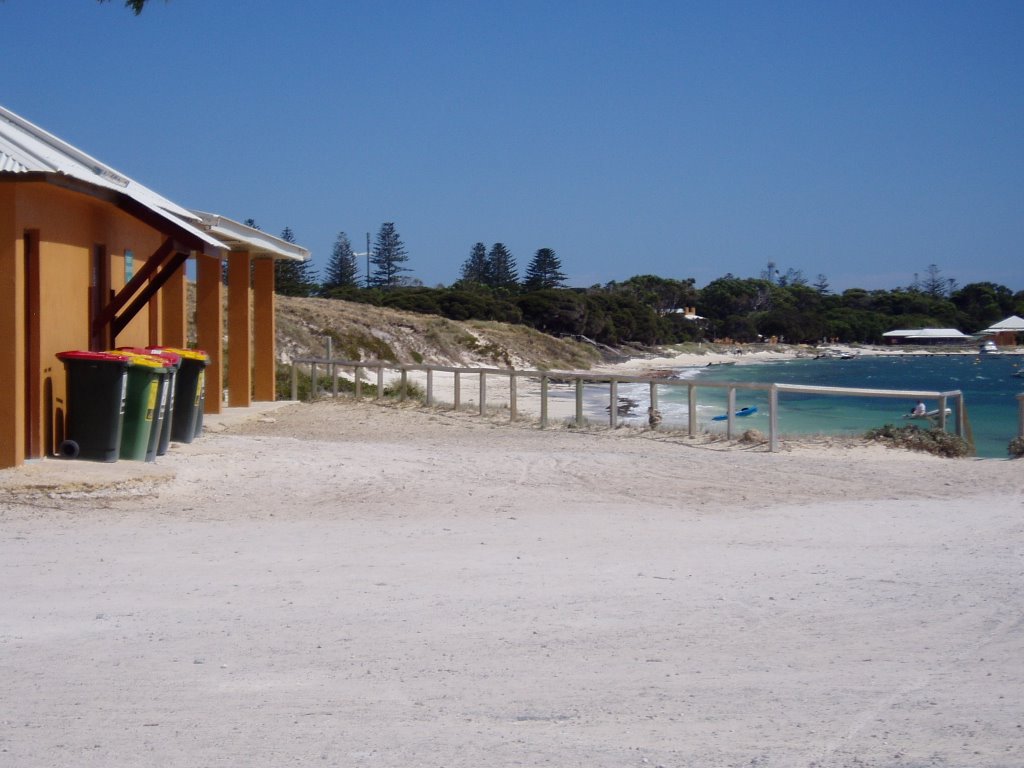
[388, 257]
[544, 271]
[342, 268]
[293, 277]
[501, 268]
[475, 268]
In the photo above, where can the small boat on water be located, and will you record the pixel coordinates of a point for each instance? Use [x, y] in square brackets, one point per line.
[988, 348]
[1019, 373]
[749, 410]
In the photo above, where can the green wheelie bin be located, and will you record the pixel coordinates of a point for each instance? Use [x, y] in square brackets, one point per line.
[95, 403]
[189, 393]
[142, 400]
[164, 367]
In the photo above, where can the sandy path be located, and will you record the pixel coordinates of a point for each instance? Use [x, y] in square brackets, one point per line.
[358, 585]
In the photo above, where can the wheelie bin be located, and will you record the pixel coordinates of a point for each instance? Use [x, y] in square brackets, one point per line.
[189, 393]
[146, 403]
[173, 363]
[141, 400]
[95, 402]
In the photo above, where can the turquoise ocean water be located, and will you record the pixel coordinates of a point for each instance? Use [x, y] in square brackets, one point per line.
[987, 382]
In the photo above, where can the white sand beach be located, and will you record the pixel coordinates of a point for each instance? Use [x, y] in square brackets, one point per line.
[349, 584]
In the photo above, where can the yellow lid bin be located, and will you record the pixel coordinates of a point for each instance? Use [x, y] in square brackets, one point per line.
[189, 392]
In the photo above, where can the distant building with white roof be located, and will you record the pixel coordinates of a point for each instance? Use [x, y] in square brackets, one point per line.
[926, 336]
[1005, 332]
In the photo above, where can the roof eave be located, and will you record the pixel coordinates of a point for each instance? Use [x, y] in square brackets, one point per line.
[241, 237]
[190, 237]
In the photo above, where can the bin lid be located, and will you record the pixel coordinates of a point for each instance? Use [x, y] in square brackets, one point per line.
[141, 361]
[172, 358]
[166, 361]
[86, 355]
[188, 354]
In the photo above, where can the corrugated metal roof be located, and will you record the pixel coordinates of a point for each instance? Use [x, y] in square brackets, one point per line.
[243, 237]
[27, 147]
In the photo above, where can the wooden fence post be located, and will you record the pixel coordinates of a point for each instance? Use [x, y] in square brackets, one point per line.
[773, 418]
[543, 402]
[613, 404]
[691, 415]
[512, 396]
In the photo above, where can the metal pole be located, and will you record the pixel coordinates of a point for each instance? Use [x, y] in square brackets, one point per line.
[730, 419]
[380, 380]
[430, 387]
[579, 402]
[483, 393]
[653, 418]
[358, 375]
[942, 413]
[457, 392]
[404, 387]
[613, 408]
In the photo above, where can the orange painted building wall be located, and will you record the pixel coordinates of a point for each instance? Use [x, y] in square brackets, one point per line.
[69, 226]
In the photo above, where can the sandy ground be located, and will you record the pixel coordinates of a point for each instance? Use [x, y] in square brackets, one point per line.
[348, 584]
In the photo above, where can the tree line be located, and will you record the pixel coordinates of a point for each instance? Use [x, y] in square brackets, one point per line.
[648, 309]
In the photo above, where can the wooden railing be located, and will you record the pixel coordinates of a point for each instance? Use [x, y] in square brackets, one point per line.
[953, 399]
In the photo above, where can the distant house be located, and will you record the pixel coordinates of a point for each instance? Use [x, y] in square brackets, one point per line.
[1005, 332]
[91, 259]
[926, 336]
[688, 313]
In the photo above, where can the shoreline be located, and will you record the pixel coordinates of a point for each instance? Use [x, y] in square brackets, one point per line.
[561, 398]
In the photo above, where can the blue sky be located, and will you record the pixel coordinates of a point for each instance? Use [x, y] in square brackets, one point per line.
[859, 140]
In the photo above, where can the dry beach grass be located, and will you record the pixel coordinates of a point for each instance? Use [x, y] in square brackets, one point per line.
[352, 584]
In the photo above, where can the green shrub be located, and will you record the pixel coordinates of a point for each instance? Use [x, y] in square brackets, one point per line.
[1016, 448]
[911, 436]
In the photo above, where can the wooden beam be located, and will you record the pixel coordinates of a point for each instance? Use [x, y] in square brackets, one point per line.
[110, 310]
[263, 327]
[210, 328]
[161, 277]
[239, 330]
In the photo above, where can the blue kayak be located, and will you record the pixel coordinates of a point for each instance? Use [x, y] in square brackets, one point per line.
[741, 412]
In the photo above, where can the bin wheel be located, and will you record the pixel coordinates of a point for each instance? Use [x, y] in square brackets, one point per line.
[69, 449]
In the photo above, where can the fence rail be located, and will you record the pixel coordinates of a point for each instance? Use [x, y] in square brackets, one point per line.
[952, 399]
